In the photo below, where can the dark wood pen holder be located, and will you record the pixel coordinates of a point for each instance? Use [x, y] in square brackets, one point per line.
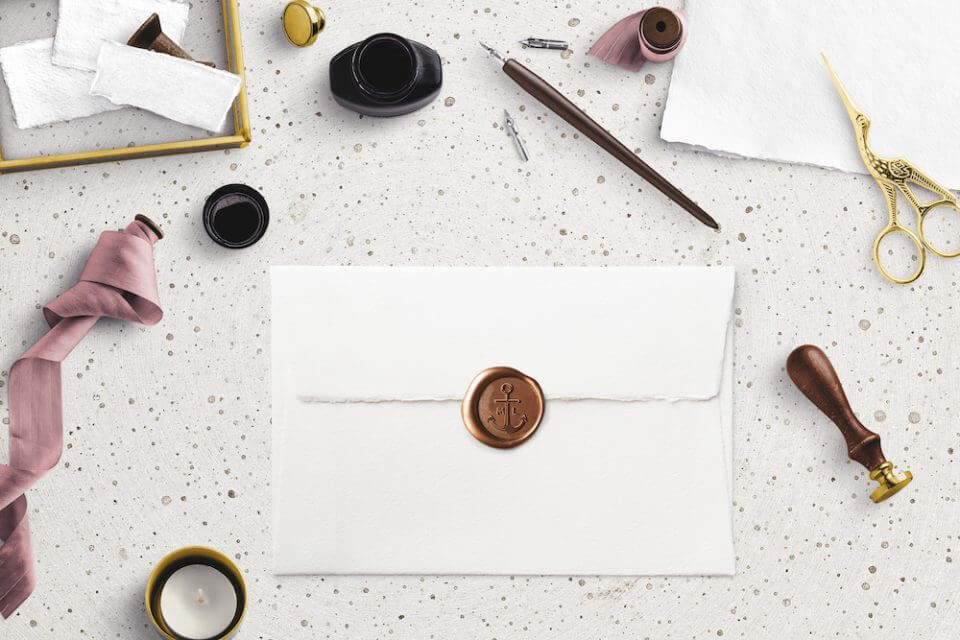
[811, 371]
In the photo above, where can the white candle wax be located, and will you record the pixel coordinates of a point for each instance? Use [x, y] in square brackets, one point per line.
[198, 602]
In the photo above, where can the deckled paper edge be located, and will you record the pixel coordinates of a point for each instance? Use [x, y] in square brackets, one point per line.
[322, 399]
[689, 146]
[236, 90]
[62, 60]
[16, 119]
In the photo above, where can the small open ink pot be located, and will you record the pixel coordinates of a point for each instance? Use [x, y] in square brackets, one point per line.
[235, 216]
[385, 75]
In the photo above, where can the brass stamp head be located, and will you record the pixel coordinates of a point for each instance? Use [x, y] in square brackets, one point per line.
[890, 482]
[502, 407]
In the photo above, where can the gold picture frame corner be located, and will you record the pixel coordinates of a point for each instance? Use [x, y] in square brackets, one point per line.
[241, 137]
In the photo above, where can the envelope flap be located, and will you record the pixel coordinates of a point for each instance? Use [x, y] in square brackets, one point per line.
[383, 334]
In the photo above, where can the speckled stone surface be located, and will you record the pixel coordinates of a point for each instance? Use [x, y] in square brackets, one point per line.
[168, 428]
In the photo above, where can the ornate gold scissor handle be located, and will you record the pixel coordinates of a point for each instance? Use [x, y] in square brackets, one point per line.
[895, 176]
[890, 187]
[892, 228]
[923, 210]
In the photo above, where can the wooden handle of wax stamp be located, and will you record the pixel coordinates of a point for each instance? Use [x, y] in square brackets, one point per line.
[811, 371]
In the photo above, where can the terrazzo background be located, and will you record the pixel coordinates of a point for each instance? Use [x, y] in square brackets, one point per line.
[168, 428]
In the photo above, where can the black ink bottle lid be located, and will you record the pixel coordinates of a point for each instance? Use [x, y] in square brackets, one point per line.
[385, 67]
[235, 216]
[386, 75]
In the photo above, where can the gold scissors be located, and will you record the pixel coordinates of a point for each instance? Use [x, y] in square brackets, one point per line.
[895, 176]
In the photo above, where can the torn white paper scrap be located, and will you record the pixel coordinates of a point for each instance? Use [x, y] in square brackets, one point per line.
[751, 81]
[43, 93]
[83, 25]
[180, 90]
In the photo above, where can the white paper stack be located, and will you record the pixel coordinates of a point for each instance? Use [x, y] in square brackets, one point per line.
[51, 80]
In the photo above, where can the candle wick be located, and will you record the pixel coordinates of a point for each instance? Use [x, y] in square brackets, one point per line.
[200, 598]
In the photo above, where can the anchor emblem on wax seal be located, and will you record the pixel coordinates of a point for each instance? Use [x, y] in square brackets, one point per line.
[503, 407]
[508, 407]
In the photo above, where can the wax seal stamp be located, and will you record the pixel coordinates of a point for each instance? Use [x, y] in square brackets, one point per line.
[502, 407]
[811, 371]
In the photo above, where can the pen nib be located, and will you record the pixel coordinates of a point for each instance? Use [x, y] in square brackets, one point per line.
[511, 128]
[544, 43]
[496, 54]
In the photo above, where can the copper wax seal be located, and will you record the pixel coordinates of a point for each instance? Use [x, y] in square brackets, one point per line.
[502, 407]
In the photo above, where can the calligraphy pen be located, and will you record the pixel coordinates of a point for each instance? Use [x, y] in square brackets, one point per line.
[556, 102]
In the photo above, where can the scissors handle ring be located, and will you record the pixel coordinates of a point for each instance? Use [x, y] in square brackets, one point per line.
[922, 260]
[924, 210]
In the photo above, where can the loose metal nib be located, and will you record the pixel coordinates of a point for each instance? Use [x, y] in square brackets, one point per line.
[496, 54]
[544, 43]
[511, 128]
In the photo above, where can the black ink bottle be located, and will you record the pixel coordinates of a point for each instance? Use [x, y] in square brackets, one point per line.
[386, 75]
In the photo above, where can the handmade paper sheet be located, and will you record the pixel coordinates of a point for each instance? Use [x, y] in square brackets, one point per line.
[42, 92]
[84, 25]
[751, 82]
[182, 90]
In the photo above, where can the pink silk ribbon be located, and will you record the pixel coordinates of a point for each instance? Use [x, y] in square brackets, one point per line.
[622, 44]
[119, 281]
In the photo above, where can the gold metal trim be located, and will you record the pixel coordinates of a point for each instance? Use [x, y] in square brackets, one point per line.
[302, 22]
[241, 120]
[192, 553]
[890, 481]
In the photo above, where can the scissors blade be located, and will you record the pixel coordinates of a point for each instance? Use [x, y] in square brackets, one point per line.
[852, 111]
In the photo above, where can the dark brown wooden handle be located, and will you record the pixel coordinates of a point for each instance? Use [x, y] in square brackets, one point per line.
[544, 92]
[811, 371]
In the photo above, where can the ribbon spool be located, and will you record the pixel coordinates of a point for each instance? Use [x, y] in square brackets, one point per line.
[657, 34]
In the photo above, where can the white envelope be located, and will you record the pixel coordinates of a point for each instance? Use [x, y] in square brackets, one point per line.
[629, 473]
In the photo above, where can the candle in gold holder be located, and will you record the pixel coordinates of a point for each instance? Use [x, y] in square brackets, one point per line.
[196, 593]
